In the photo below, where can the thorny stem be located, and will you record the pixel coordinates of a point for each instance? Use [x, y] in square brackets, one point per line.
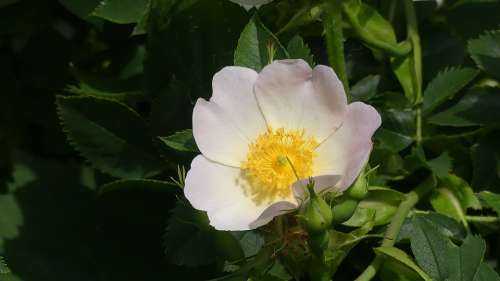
[392, 232]
[335, 41]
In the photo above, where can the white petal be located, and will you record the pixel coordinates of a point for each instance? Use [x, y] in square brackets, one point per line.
[293, 96]
[276, 209]
[346, 151]
[224, 126]
[220, 190]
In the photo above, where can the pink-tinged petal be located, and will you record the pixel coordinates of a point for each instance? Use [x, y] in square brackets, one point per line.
[347, 150]
[221, 191]
[296, 97]
[224, 126]
[276, 209]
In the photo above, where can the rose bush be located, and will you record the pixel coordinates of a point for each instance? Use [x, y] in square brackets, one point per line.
[249, 140]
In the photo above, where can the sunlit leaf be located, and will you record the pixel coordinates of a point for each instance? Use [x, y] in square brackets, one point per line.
[181, 141]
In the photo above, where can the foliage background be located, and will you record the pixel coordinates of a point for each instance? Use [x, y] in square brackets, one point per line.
[135, 68]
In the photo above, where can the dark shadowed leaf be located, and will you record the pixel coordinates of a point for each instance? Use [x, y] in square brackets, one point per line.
[138, 184]
[80, 8]
[445, 85]
[365, 88]
[188, 238]
[121, 11]
[480, 106]
[485, 51]
[96, 128]
[390, 140]
[486, 163]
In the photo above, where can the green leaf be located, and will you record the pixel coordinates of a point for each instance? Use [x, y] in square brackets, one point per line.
[342, 243]
[365, 88]
[297, 49]
[403, 69]
[445, 85]
[12, 217]
[257, 46]
[369, 22]
[486, 273]
[445, 202]
[441, 223]
[277, 272]
[431, 249]
[391, 140]
[491, 200]
[181, 141]
[379, 205]
[463, 191]
[485, 51]
[480, 106]
[395, 254]
[251, 242]
[453, 197]
[441, 165]
[140, 184]
[4, 269]
[443, 260]
[81, 8]
[188, 238]
[121, 11]
[486, 163]
[96, 128]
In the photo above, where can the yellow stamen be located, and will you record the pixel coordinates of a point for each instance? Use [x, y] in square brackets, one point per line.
[275, 161]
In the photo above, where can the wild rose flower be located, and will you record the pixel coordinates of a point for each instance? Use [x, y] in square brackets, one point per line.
[248, 4]
[259, 132]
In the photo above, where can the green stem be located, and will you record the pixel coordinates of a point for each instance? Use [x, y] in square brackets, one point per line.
[418, 125]
[393, 50]
[392, 10]
[335, 41]
[485, 219]
[394, 227]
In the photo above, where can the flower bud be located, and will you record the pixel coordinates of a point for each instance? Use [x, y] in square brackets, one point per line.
[344, 209]
[316, 214]
[359, 189]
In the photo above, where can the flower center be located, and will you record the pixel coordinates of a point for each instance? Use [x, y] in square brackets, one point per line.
[275, 160]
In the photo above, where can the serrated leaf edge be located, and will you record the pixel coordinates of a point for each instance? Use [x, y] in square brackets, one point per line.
[68, 134]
